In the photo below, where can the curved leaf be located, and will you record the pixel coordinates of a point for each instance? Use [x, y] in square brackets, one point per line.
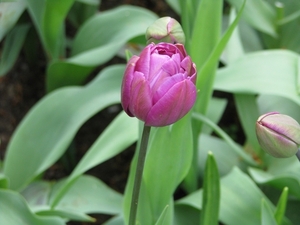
[15, 211]
[47, 130]
[94, 44]
[272, 72]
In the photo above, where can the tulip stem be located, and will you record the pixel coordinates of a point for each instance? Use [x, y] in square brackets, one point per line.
[139, 175]
[298, 154]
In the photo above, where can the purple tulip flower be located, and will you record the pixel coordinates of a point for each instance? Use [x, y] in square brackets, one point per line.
[278, 134]
[159, 85]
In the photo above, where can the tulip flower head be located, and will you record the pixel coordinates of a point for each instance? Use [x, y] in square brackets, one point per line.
[278, 134]
[159, 85]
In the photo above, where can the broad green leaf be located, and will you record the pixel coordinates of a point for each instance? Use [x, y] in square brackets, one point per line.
[269, 103]
[10, 13]
[162, 218]
[48, 17]
[225, 157]
[125, 23]
[118, 220]
[12, 47]
[3, 181]
[162, 176]
[206, 30]
[185, 215]
[211, 193]
[67, 213]
[49, 127]
[281, 206]
[235, 147]
[174, 5]
[259, 14]
[267, 217]
[15, 211]
[81, 11]
[271, 72]
[53, 25]
[215, 111]
[234, 48]
[279, 179]
[111, 142]
[37, 195]
[240, 199]
[89, 195]
[94, 44]
[248, 113]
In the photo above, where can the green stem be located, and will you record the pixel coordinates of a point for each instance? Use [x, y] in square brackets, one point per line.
[139, 175]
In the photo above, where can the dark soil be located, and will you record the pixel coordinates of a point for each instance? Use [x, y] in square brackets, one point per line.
[24, 85]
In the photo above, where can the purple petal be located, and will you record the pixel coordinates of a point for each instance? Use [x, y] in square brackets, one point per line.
[141, 102]
[126, 83]
[157, 61]
[143, 64]
[165, 85]
[173, 105]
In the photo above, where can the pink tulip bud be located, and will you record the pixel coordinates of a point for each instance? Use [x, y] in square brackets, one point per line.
[159, 85]
[278, 134]
[165, 29]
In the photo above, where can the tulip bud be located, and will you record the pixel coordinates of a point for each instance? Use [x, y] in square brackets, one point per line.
[159, 85]
[278, 134]
[165, 29]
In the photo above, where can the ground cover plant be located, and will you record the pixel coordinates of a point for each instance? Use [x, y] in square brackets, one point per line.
[202, 85]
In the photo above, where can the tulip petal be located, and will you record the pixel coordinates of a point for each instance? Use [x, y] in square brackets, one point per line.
[140, 96]
[176, 102]
[126, 83]
[157, 61]
[165, 85]
[143, 64]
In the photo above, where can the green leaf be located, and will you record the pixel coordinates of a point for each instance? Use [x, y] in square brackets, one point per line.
[111, 142]
[10, 13]
[3, 181]
[225, 157]
[259, 14]
[162, 176]
[125, 22]
[267, 217]
[248, 113]
[271, 72]
[235, 147]
[268, 103]
[37, 194]
[67, 213]
[240, 199]
[15, 211]
[162, 218]
[88, 195]
[211, 193]
[281, 206]
[284, 176]
[53, 25]
[49, 127]
[49, 16]
[12, 47]
[182, 212]
[94, 44]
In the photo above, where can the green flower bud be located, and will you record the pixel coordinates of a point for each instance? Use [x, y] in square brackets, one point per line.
[165, 29]
[278, 134]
